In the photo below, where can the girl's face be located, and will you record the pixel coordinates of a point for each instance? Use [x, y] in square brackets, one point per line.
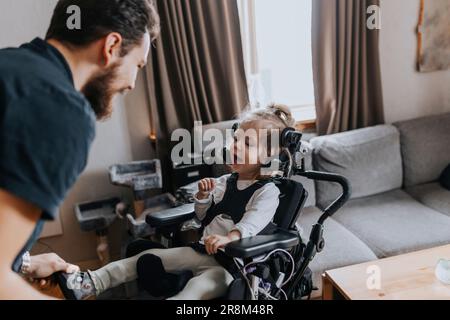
[248, 151]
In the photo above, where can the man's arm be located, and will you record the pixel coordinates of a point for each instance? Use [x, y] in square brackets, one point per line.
[18, 219]
[44, 265]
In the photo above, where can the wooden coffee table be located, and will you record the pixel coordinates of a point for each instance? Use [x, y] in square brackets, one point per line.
[406, 277]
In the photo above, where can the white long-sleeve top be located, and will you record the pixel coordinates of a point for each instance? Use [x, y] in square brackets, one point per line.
[259, 212]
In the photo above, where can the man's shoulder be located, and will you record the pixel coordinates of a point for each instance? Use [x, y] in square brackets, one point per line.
[17, 62]
[60, 103]
[25, 76]
[23, 72]
[51, 115]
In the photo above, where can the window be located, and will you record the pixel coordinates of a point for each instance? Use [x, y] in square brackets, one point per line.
[277, 52]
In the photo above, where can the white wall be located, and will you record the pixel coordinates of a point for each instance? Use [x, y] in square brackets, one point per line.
[407, 93]
[21, 21]
[123, 138]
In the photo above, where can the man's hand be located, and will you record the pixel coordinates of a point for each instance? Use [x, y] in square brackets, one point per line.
[18, 219]
[205, 187]
[44, 265]
[215, 242]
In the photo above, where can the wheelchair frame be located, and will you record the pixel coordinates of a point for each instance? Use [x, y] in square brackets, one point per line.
[283, 239]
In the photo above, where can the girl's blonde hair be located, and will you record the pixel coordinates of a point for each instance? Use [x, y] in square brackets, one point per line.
[278, 114]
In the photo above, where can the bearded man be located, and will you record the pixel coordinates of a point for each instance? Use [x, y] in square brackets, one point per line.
[51, 93]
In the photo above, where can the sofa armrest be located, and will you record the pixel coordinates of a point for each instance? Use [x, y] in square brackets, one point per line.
[259, 245]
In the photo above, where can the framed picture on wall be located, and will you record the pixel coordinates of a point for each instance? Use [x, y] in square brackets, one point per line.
[434, 35]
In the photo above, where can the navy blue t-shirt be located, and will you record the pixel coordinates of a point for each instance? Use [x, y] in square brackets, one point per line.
[46, 128]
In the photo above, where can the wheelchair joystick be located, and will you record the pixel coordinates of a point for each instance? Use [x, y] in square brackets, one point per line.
[316, 238]
[321, 245]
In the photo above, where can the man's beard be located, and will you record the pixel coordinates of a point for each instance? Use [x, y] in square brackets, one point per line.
[100, 93]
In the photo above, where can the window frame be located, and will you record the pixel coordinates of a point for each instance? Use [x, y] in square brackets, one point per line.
[247, 15]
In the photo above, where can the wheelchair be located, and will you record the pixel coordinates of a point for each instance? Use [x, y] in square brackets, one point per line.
[273, 266]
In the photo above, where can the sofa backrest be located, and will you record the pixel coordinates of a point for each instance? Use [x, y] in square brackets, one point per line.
[425, 147]
[370, 158]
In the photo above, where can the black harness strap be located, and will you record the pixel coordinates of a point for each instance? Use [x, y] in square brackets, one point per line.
[233, 205]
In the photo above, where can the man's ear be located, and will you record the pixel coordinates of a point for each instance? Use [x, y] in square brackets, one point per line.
[112, 48]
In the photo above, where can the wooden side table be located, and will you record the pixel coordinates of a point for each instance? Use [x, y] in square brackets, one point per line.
[409, 276]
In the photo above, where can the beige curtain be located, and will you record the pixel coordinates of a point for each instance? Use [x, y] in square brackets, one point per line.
[196, 71]
[346, 66]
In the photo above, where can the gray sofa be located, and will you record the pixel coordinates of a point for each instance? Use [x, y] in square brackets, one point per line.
[397, 206]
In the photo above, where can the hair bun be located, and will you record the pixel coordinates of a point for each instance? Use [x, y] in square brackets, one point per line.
[283, 112]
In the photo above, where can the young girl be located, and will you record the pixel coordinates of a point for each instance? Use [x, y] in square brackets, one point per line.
[231, 208]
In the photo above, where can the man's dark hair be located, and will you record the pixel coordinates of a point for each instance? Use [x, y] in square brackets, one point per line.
[130, 18]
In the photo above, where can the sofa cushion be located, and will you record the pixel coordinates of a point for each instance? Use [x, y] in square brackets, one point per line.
[370, 158]
[394, 223]
[342, 248]
[432, 195]
[424, 145]
[445, 178]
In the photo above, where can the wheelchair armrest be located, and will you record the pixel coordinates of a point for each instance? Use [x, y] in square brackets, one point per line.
[171, 217]
[259, 245]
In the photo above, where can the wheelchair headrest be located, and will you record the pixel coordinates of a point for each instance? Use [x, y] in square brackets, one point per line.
[290, 138]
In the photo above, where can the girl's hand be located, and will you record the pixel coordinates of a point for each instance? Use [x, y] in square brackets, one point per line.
[215, 242]
[205, 187]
